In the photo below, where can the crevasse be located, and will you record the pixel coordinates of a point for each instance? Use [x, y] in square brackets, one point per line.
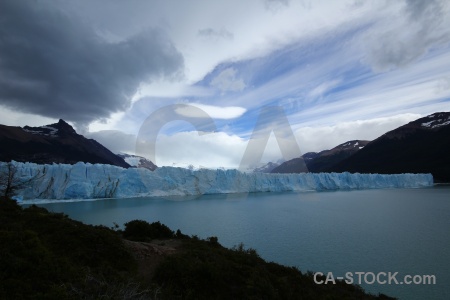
[88, 181]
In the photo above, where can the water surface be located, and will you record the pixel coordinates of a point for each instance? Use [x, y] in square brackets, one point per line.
[393, 230]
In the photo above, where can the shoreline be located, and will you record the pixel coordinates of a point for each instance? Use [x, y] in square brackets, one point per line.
[190, 197]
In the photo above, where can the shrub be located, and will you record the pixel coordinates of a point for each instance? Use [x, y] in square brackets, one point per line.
[49, 256]
[139, 230]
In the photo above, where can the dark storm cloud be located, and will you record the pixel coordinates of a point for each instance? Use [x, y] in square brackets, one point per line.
[54, 65]
[425, 25]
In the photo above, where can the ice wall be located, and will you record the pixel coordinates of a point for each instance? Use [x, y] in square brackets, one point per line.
[87, 181]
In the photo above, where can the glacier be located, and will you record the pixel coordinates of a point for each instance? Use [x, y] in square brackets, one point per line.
[91, 181]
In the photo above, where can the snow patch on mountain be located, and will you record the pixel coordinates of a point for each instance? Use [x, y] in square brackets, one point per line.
[439, 120]
[137, 161]
[42, 130]
[267, 167]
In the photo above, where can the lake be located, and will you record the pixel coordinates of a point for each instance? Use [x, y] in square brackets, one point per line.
[391, 230]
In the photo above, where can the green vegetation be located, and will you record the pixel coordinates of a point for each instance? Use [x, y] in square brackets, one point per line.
[206, 270]
[138, 230]
[49, 256]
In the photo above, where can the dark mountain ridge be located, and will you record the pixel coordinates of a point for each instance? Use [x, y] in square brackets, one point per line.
[421, 146]
[54, 143]
[321, 161]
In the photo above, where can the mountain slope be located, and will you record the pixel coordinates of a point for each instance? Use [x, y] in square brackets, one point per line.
[319, 162]
[421, 146]
[268, 167]
[138, 161]
[55, 143]
[328, 158]
[295, 165]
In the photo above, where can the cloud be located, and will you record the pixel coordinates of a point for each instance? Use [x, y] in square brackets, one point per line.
[213, 34]
[318, 138]
[420, 89]
[170, 89]
[275, 5]
[115, 140]
[103, 124]
[211, 150]
[443, 85]
[83, 61]
[408, 32]
[227, 81]
[217, 112]
[219, 149]
[55, 65]
[14, 118]
[324, 87]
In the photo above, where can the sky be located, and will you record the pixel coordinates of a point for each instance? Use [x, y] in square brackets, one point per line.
[199, 80]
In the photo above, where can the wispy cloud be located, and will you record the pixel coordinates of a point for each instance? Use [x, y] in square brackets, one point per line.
[219, 112]
[324, 87]
[340, 69]
[228, 81]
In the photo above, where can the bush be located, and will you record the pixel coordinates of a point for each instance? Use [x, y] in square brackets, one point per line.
[213, 240]
[139, 230]
[49, 256]
[180, 235]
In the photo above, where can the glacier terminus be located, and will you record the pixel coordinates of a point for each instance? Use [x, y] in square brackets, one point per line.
[92, 181]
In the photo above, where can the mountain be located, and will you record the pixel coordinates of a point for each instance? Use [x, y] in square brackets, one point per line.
[54, 143]
[320, 162]
[328, 158]
[296, 165]
[268, 167]
[138, 161]
[421, 146]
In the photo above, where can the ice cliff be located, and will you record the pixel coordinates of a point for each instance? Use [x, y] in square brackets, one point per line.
[88, 181]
